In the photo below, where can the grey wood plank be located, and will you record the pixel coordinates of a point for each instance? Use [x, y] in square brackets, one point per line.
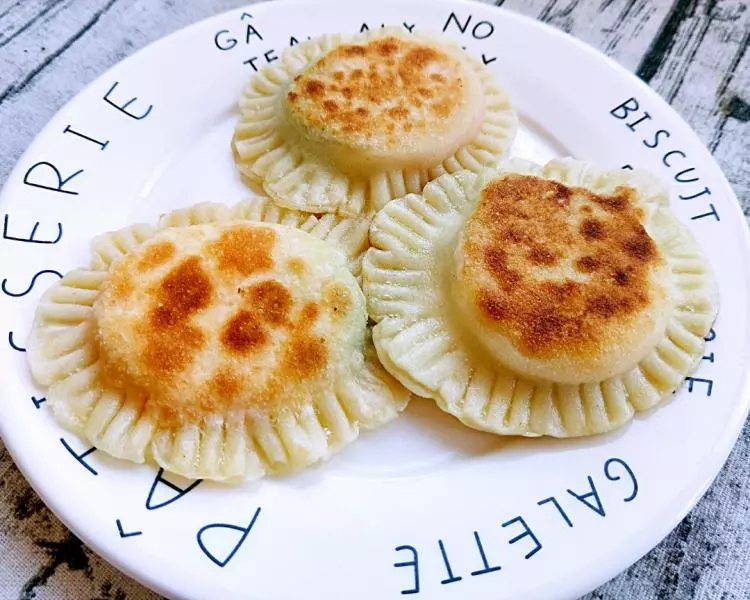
[17, 17]
[69, 47]
[699, 64]
[730, 135]
[622, 29]
[46, 33]
[678, 46]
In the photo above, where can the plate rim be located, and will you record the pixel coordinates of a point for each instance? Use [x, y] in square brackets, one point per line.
[584, 582]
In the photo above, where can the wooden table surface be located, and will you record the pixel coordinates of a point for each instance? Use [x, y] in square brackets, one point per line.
[692, 52]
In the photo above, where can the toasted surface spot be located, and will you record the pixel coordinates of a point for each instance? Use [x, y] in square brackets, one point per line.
[296, 265]
[270, 300]
[168, 352]
[170, 341]
[184, 291]
[337, 299]
[310, 312]
[552, 277]
[304, 356]
[226, 383]
[243, 333]
[122, 286]
[244, 250]
[156, 255]
[588, 264]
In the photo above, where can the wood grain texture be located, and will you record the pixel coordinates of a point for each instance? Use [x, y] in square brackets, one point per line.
[699, 63]
[693, 52]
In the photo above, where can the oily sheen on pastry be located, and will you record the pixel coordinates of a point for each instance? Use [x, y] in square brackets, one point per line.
[227, 343]
[539, 300]
[348, 124]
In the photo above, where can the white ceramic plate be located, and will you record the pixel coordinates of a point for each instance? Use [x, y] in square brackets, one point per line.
[422, 507]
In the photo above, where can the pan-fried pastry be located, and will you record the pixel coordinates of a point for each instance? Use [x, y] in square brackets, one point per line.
[349, 124]
[555, 300]
[219, 348]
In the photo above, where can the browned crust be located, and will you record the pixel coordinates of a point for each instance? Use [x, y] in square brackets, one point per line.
[385, 87]
[524, 230]
[269, 347]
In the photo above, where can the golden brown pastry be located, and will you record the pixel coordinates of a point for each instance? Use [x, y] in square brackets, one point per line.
[348, 124]
[555, 300]
[218, 346]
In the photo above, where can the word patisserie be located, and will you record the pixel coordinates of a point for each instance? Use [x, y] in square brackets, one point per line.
[228, 343]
